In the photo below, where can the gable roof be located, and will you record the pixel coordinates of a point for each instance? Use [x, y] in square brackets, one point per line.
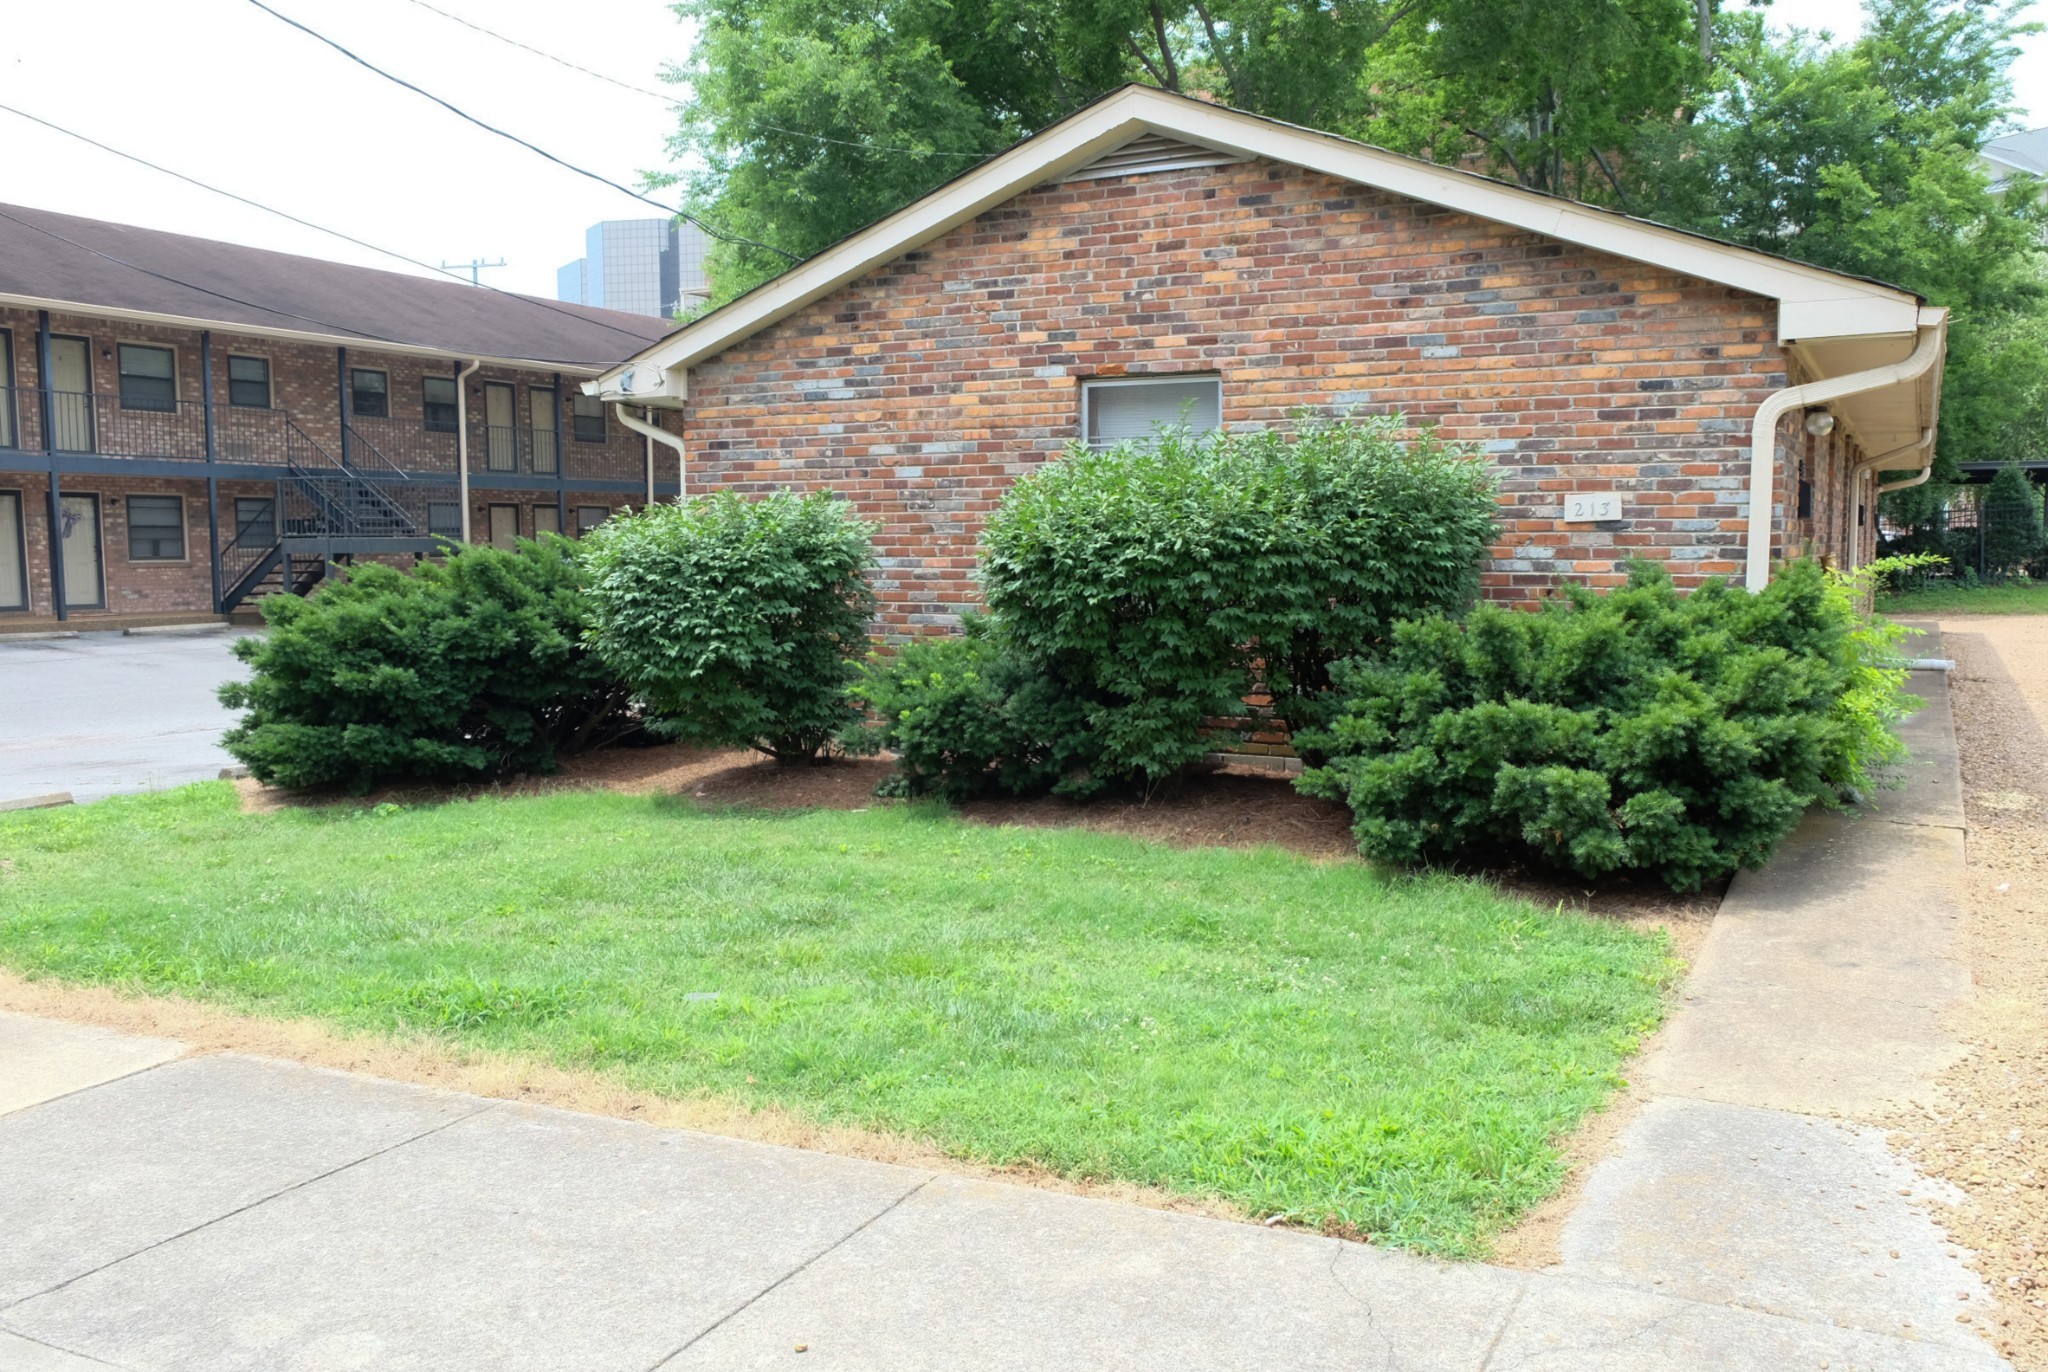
[90, 266]
[1814, 304]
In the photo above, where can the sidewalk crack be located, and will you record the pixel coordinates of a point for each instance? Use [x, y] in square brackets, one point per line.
[244, 1209]
[790, 1275]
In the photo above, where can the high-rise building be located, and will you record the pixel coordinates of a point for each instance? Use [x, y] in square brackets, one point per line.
[646, 266]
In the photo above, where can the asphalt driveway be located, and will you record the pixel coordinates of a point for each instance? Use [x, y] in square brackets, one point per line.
[103, 714]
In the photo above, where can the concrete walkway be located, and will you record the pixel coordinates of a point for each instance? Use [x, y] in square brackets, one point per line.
[161, 1211]
[1753, 1176]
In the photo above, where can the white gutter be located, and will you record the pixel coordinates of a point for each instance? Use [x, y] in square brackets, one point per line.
[462, 440]
[1763, 436]
[641, 426]
[1920, 480]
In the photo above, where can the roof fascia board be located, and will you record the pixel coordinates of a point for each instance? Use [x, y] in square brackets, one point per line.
[232, 326]
[1813, 302]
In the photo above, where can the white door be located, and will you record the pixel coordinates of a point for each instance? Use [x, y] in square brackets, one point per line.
[540, 403]
[501, 434]
[13, 572]
[71, 394]
[81, 536]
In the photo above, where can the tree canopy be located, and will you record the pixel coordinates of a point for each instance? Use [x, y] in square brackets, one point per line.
[805, 120]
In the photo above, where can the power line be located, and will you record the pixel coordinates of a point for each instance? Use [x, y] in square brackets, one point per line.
[309, 224]
[671, 100]
[514, 138]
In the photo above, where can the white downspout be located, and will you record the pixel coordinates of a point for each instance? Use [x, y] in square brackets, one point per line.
[462, 440]
[1763, 436]
[1870, 466]
[641, 426]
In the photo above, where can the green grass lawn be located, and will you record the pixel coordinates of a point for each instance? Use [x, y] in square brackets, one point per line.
[1314, 1040]
[1949, 599]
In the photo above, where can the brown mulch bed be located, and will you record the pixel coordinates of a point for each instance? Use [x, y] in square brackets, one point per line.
[1234, 806]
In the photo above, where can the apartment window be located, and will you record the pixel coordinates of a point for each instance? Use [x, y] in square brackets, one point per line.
[369, 394]
[546, 520]
[255, 519]
[148, 378]
[588, 517]
[504, 526]
[444, 519]
[587, 414]
[1136, 408]
[13, 553]
[156, 528]
[437, 403]
[249, 382]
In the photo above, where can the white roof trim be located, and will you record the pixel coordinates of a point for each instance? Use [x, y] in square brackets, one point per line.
[1812, 302]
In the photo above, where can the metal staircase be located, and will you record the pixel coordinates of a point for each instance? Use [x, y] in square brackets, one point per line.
[327, 510]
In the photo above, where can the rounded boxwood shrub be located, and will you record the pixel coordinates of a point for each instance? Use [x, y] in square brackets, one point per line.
[1155, 585]
[737, 621]
[1638, 731]
[459, 670]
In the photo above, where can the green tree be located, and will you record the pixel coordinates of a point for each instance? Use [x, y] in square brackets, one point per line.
[1862, 158]
[2011, 512]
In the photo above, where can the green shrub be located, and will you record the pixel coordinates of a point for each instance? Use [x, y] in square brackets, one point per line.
[967, 713]
[737, 621]
[1153, 585]
[458, 670]
[1635, 731]
[2010, 509]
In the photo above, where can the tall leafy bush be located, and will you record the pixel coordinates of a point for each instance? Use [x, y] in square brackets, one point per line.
[1634, 731]
[457, 670]
[1153, 584]
[738, 621]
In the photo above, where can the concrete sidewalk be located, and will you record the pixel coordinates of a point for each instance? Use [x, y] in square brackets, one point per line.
[160, 1211]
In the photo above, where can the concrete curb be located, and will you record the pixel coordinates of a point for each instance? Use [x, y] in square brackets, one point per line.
[43, 802]
[176, 630]
[33, 635]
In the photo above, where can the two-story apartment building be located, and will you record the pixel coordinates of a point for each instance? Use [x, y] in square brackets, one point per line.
[187, 424]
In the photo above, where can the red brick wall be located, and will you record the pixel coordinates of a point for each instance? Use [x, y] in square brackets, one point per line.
[923, 389]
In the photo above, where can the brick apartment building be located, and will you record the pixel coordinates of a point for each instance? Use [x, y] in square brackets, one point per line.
[1642, 392]
[186, 424]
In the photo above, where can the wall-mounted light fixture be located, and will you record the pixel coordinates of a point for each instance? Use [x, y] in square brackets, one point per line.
[1820, 422]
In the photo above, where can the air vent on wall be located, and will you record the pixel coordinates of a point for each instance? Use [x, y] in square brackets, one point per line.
[1151, 152]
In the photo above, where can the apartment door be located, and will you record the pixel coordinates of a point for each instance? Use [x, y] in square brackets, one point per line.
[80, 530]
[501, 433]
[504, 526]
[13, 553]
[71, 394]
[9, 429]
[540, 405]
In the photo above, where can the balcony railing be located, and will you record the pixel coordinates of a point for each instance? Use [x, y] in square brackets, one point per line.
[98, 423]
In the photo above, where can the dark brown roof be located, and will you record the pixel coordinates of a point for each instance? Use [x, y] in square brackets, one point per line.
[92, 262]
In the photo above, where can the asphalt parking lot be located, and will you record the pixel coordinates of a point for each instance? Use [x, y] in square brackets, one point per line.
[103, 714]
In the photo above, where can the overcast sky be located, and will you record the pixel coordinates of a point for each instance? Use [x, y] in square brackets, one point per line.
[219, 90]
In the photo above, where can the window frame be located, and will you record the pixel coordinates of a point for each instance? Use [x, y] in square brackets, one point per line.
[454, 404]
[184, 527]
[1092, 384]
[355, 409]
[235, 510]
[10, 417]
[452, 533]
[583, 529]
[269, 382]
[121, 347]
[20, 548]
[576, 420]
[490, 513]
[552, 510]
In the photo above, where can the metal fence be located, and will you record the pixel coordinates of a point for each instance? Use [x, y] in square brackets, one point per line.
[1982, 534]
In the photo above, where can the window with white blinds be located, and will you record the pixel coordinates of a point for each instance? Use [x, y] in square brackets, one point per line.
[1137, 407]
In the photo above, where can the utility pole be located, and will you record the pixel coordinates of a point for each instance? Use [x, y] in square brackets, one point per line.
[473, 266]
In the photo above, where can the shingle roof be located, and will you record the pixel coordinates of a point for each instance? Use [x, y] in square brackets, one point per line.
[92, 262]
[2027, 152]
